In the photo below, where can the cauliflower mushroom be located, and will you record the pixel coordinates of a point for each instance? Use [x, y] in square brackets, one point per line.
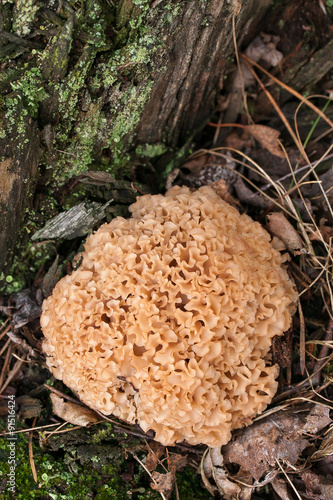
[168, 320]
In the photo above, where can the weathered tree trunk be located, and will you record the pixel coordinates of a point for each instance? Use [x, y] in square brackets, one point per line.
[99, 84]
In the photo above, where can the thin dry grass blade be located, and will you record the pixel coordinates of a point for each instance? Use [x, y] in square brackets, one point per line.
[289, 89]
[5, 347]
[289, 480]
[12, 373]
[6, 362]
[301, 338]
[277, 109]
[7, 328]
[31, 454]
[324, 352]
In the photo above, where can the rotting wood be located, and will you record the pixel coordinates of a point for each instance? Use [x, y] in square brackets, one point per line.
[115, 77]
[18, 171]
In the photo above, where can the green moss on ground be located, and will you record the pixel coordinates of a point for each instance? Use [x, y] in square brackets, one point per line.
[56, 480]
[85, 464]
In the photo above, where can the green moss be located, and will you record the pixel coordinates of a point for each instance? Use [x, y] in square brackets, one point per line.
[151, 150]
[93, 127]
[133, 100]
[86, 463]
[93, 108]
[103, 433]
[70, 89]
[130, 18]
[30, 89]
[15, 120]
[88, 124]
[54, 59]
[56, 479]
[189, 486]
[25, 266]
[24, 15]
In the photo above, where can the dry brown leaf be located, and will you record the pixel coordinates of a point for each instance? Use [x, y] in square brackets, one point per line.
[212, 467]
[280, 436]
[240, 142]
[155, 452]
[317, 419]
[27, 306]
[280, 487]
[267, 137]
[280, 227]
[164, 483]
[326, 232]
[326, 487]
[312, 485]
[29, 407]
[176, 462]
[71, 412]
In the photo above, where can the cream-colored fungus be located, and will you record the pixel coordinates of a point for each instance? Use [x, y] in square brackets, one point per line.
[169, 319]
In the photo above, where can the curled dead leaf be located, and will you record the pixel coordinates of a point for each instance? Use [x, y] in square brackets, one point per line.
[280, 487]
[312, 485]
[279, 437]
[164, 483]
[71, 412]
[280, 227]
[268, 138]
[27, 306]
[155, 452]
[212, 467]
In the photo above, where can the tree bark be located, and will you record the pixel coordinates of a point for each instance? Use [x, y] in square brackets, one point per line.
[101, 85]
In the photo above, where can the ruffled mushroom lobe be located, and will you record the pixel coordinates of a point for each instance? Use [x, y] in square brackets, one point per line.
[169, 319]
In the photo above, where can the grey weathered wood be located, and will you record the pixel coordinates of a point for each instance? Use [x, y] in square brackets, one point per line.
[77, 221]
